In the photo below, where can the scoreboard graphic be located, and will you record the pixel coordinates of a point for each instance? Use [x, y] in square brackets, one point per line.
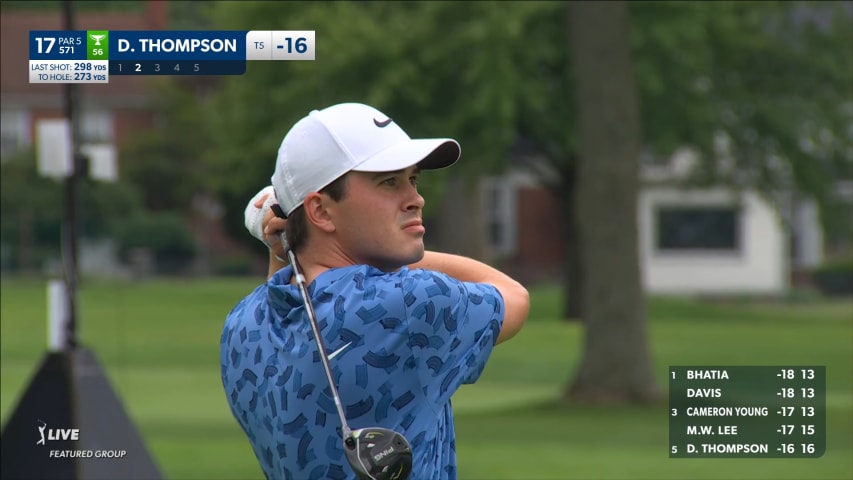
[747, 411]
[92, 56]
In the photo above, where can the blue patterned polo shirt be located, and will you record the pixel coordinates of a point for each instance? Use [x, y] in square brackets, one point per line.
[403, 342]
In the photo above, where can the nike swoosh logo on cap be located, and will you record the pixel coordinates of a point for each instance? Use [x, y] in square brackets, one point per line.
[382, 124]
[339, 351]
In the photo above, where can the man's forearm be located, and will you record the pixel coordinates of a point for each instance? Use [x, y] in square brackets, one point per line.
[275, 264]
[516, 297]
[459, 267]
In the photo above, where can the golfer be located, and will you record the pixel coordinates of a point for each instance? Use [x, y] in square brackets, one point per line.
[404, 327]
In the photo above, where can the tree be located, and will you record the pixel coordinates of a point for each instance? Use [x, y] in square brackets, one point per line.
[165, 161]
[496, 77]
[31, 221]
[459, 83]
[773, 78]
[31, 227]
[616, 364]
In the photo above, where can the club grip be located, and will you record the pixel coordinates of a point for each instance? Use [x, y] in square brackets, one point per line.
[276, 209]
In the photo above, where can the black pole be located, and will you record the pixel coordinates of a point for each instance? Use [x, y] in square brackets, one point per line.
[70, 388]
[72, 192]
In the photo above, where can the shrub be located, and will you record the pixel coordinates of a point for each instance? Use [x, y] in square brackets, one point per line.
[164, 234]
[835, 278]
[238, 264]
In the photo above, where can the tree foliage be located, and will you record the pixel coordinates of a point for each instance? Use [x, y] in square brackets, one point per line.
[418, 62]
[32, 218]
[166, 163]
[762, 90]
[773, 78]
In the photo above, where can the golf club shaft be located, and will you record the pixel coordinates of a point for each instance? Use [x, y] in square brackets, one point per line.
[312, 319]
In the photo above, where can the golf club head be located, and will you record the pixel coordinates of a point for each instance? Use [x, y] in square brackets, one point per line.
[378, 454]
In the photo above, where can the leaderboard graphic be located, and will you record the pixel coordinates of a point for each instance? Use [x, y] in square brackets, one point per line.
[92, 56]
[747, 411]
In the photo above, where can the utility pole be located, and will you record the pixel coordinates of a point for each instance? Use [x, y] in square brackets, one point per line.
[72, 197]
[70, 390]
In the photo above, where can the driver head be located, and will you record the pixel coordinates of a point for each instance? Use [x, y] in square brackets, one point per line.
[378, 454]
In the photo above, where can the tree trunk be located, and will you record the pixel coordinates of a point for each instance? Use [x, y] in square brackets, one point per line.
[616, 365]
[567, 197]
[459, 226]
[25, 240]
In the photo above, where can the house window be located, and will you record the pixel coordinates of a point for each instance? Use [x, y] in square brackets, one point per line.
[697, 228]
[499, 206]
[14, 132]
[96, 127]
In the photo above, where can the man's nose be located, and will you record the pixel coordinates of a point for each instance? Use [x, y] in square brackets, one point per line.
[416, 201]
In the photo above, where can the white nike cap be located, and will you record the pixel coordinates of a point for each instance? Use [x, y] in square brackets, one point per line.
[349, 137]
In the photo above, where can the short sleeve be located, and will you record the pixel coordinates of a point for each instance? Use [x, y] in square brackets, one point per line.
[453, 327]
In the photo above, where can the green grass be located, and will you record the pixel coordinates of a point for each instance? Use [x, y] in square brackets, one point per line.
[159, 343]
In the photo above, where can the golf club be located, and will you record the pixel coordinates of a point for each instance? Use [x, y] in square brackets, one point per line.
[374, 453]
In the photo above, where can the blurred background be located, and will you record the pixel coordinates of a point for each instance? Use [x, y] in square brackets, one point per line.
[672, 180]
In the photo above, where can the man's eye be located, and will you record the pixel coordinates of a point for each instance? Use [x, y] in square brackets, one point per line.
[390, 181]
[413, 181]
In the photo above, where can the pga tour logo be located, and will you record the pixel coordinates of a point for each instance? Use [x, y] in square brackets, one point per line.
[60, 434]
[56, 433]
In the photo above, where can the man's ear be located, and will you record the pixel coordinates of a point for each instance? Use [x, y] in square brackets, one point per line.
[316, 212]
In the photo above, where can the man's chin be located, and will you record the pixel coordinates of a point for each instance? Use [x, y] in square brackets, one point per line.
[416, 257]
[404, 260]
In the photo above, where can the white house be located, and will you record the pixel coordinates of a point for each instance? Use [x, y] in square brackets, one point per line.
[692, 240]
[716, 240]
[711, 241]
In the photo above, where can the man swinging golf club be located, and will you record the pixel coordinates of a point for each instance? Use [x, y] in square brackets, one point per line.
[342, 365]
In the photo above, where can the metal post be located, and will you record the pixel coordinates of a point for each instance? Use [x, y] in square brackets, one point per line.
[70, 388]
[72, 193]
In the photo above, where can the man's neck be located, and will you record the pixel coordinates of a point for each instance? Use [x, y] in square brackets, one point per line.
[313, 262]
